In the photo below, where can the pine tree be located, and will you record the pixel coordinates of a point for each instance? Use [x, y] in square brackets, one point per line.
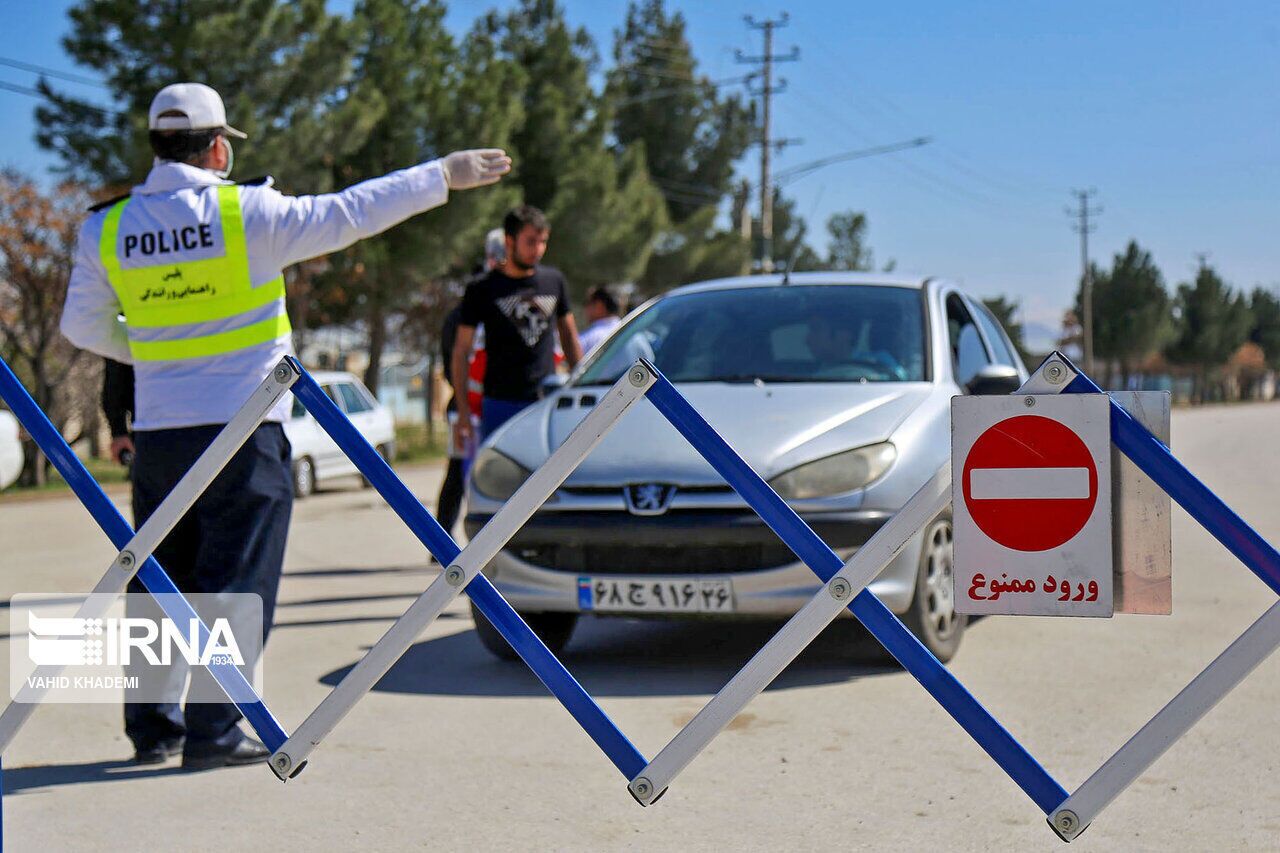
[1211, 322]
[605, 211]
[433, 96]
[692, 136]
[278, 64]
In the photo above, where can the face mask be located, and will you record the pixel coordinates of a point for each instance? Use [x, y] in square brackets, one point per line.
[231, 160]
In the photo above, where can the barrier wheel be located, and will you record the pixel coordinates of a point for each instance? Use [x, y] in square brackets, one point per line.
[304, 477]
[554, 629]
[932, 617]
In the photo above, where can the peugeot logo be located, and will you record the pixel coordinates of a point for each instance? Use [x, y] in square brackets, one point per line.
[648, 498]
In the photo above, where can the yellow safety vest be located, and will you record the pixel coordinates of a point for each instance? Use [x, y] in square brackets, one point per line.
[171, 296]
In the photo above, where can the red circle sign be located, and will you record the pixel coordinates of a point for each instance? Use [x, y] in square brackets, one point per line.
[1030, 483]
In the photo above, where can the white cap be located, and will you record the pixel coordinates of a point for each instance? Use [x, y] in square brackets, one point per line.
[201, 109]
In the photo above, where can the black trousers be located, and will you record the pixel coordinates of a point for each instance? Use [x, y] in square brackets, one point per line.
[449, 504]
[231, 540]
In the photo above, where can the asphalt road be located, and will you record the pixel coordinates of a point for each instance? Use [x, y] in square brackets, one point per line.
[455, 750]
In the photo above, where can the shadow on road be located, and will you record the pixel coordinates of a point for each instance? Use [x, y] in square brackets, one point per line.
[17, 779]
[612, 657]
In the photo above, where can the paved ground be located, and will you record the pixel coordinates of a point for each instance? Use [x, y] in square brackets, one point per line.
[456, 750]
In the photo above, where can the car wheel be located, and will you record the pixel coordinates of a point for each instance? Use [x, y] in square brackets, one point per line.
[304, 477]
[932, 617]
[382, 451]
[554, 629]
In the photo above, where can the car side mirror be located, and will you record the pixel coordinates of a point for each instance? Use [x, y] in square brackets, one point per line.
[995, 379]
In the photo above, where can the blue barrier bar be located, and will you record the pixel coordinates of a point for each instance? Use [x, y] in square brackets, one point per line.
[1003, 748]
[526, 643]
[119, 532]
[1158, 463]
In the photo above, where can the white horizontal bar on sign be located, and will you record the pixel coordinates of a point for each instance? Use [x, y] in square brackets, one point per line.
[991, 484]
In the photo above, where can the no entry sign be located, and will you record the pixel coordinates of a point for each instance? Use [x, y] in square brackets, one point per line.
[1032, 505]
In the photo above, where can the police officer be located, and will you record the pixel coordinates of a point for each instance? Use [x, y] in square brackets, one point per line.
[194, 263]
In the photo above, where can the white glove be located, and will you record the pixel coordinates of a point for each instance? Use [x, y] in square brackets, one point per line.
[476, 167]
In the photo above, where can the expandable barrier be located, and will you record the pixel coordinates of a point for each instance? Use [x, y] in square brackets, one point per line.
[845, 585]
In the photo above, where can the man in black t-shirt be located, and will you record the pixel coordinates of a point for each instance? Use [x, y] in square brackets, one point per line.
[517, 303]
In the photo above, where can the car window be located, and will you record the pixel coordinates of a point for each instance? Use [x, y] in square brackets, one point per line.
[331, 392]
[352, 399]
[995, 337]
[299, 410]
[968, 355]
[800, 333]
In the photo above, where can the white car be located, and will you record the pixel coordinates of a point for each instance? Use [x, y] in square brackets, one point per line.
[10, 450]
[317, 459]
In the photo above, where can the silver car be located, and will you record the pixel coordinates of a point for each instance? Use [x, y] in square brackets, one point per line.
[835, 387]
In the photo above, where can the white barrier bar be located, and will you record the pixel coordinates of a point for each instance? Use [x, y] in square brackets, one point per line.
[148, 537]
[798, 633]
[541, 484]
[1172, 722]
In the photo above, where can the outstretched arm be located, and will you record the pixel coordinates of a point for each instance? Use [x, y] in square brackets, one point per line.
[301, 227]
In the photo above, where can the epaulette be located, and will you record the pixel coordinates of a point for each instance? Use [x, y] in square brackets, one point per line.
[261, 180]
[103, 205]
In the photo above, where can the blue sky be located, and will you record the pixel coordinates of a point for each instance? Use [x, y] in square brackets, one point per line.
[1168, 109]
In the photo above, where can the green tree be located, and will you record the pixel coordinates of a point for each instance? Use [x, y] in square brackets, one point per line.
[692, 136]
[848, 249]
[434, 96]
[1131, 312]
[1264, 306]
[1211, 322]
[790, 230]
[604, 209]
[279, 64]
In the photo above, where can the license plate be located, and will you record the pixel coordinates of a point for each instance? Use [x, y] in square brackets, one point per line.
[656, 595]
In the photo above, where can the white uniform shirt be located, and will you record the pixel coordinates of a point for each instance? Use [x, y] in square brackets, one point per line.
[592, 336]
[280, 230]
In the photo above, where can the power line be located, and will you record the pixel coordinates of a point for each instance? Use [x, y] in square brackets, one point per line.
[52, 72]
[36, 93]
[796, 172]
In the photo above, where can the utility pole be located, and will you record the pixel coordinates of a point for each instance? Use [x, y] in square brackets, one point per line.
[1083, 227]
[767, 144]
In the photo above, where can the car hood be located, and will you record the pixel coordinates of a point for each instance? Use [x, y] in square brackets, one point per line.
[774, 428]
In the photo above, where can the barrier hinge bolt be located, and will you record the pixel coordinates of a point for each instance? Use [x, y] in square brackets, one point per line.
[840, 589]
[1066, 821]
[280, 762]
[642, 786]
[454, 575]
[126, 559]
[282, 373]
[1055, 373]
[1029, 401]
[639, 376]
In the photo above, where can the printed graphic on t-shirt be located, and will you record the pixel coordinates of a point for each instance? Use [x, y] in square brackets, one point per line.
[531, 315]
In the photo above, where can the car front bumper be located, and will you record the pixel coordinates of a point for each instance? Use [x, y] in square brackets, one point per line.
[539, 569]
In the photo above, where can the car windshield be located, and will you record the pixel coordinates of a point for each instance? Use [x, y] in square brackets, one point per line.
[824, 333]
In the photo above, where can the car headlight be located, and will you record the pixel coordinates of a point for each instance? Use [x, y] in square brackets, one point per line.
[836, 474]
[497, 476]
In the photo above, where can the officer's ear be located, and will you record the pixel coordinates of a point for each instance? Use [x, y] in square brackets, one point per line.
[219, 153]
